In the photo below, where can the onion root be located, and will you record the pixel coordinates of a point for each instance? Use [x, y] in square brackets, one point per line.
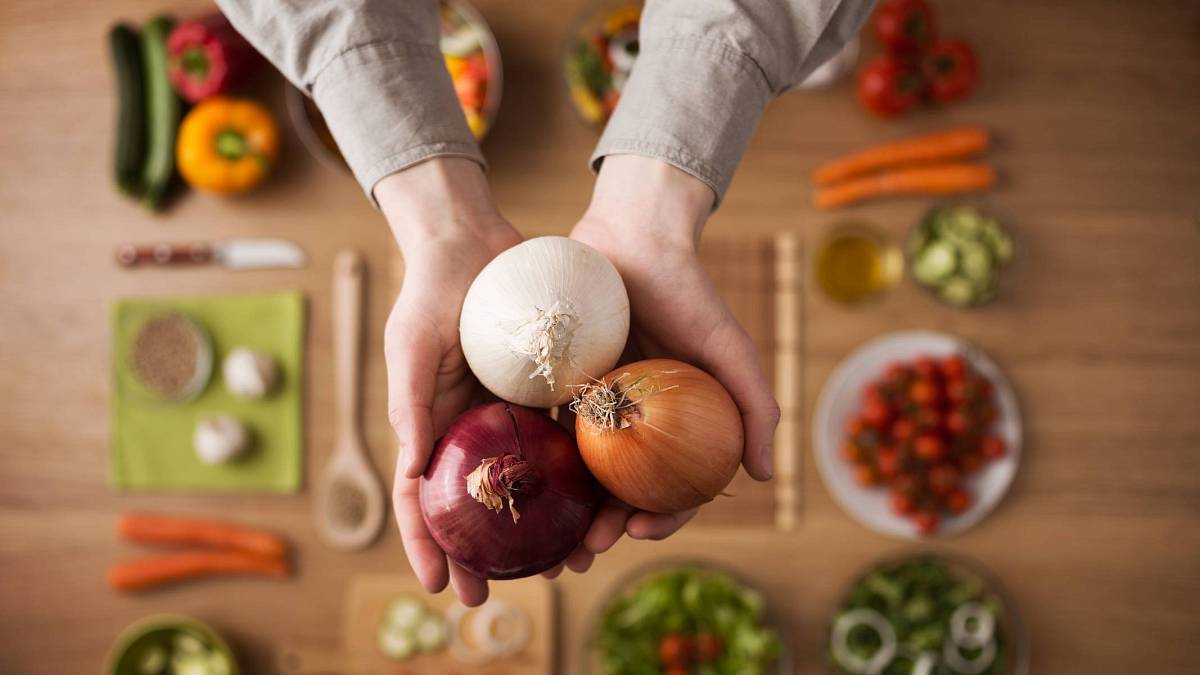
[607, 406]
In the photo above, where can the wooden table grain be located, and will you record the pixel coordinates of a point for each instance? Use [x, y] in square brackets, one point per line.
[1095, 104]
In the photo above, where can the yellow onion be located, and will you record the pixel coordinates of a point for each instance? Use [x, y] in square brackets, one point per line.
[660, 435]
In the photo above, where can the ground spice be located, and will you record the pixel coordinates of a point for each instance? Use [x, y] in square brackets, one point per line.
[166, 354]
[348, 502]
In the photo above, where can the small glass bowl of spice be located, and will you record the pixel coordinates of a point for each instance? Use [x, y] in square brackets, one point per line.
[171, 357]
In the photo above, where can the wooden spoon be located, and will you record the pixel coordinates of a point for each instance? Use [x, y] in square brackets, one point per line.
[350, 503]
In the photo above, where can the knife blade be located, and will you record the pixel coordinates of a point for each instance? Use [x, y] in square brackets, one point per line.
[238, 254]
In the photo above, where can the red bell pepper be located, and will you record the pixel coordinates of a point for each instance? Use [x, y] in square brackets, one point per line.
[207, 57]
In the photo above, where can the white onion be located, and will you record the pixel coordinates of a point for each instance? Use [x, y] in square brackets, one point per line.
[542, 317]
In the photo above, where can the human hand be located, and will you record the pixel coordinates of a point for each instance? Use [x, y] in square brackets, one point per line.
[646, 216]
[448, 229]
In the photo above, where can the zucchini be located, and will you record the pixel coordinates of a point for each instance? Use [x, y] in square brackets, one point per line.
[432, 633]
[936, 262]
[959, 252]
[162, 113]
[129, 152]
[396, 644]
[404, 613]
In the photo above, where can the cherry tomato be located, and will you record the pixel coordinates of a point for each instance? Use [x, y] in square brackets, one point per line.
[887, 461]
[888, 87]
[952, 70]
[865, 475]
[928, 419]
[906, 484]
[708, 647]
[993, 447]
[855, 426]
[958, 421]
[897, 374]
[903, 504]
[851, 452]
[904, 26]
[923, 392]
[927, 522]
[970, 464]
[877, 414]
[943, 479]
[956, 391]
[926, 367]
[930, 448]
[958, 501]
[675, 649]
[953, 367]
[903, 429]
[874, 392]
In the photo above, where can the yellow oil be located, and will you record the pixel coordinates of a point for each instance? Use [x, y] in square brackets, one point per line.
[855, 264]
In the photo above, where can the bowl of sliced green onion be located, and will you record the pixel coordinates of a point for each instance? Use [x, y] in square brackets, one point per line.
[923, 614]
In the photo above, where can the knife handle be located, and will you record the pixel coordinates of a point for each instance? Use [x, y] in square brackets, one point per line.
[130, 255]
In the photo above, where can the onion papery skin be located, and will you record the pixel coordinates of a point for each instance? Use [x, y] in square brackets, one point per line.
[681, 442]
[518, 289]
[553, 521]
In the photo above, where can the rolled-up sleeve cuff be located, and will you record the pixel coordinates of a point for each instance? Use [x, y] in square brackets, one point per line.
[691, 102]
[390, 105]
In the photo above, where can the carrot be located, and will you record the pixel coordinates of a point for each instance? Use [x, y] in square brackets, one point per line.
[930, 180]
[171, 530]
[164, 568]
[944, 145]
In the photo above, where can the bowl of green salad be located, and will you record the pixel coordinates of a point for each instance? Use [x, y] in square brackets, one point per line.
[927, 614]
[685, 617]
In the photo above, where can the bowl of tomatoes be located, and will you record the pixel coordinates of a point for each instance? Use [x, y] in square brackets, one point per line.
[917, 434]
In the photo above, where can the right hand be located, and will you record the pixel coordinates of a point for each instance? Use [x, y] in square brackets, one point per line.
[448, 229]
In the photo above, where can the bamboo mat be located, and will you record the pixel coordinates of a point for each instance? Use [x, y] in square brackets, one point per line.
[761, 280]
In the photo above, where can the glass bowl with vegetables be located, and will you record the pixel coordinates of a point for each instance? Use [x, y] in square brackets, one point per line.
[168, 644]
[599, 56]
[685, 617]
[927, 613]
[961, 254]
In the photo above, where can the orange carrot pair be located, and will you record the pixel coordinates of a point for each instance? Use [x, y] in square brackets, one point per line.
[230, 549]
[918, 165]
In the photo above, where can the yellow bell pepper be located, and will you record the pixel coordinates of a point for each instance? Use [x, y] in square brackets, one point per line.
[227, 145]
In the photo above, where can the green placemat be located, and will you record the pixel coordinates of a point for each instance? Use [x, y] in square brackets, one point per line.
[152, 440]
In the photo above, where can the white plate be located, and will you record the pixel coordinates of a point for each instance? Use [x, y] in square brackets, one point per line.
[841, 398]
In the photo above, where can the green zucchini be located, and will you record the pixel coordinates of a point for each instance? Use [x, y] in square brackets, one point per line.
[129, 153]
[162, 112]
[959, 253]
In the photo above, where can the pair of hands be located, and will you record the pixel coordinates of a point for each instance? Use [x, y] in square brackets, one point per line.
[646, 216]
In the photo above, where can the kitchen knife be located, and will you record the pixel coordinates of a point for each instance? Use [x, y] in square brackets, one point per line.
[238, 254]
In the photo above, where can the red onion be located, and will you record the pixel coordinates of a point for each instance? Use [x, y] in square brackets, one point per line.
[500, 457]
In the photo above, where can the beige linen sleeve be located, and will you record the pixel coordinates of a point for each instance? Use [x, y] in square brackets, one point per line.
[707, 69]
[375, 70]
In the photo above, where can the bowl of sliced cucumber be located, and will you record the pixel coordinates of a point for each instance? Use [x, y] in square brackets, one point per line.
[961, 254]
[168, 644]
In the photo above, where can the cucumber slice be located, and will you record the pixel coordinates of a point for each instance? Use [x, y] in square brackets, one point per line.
[935, 262]
[999, 242]
[405, 613]
[396, 644]
[153, 660]
[432, 633]
[186, 643]
[958, 291]
[975, 263]
[218, 664]
[190, 664]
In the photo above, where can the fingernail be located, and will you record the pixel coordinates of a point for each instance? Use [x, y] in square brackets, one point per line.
[768, 463]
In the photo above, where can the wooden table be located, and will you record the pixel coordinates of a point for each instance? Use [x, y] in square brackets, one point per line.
[1096, 107]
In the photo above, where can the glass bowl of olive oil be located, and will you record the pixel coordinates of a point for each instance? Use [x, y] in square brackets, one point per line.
[856, 263]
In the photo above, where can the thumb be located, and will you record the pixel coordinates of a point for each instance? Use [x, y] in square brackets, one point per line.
[732, 359]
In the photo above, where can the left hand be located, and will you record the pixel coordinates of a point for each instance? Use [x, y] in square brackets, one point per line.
[646, 217]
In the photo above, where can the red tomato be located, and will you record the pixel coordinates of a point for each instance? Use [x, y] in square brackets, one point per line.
[874, 392]
[970, 464]
[930, 448]
[928, 419]
[943, 479]
[876, 414]
[903, 429]
[951, 69]
[956, 391]
[852, 452]
[926, 367]
[927, 522]
[855, 426]
[953, 367]
[958, 501]
[906, 484]
[889, 88]
[993, 447]
[923, 392]
[903, 504]
[865, 475]
[958, 421]
[897, 374]
[675, 649]
[904, 26]
[887, 461]
[708, 647]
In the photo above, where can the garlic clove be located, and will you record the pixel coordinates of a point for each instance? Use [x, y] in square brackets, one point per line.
[220, 439]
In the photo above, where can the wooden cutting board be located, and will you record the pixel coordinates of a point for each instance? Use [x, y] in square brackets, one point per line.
[367, 599]
[761, 280]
